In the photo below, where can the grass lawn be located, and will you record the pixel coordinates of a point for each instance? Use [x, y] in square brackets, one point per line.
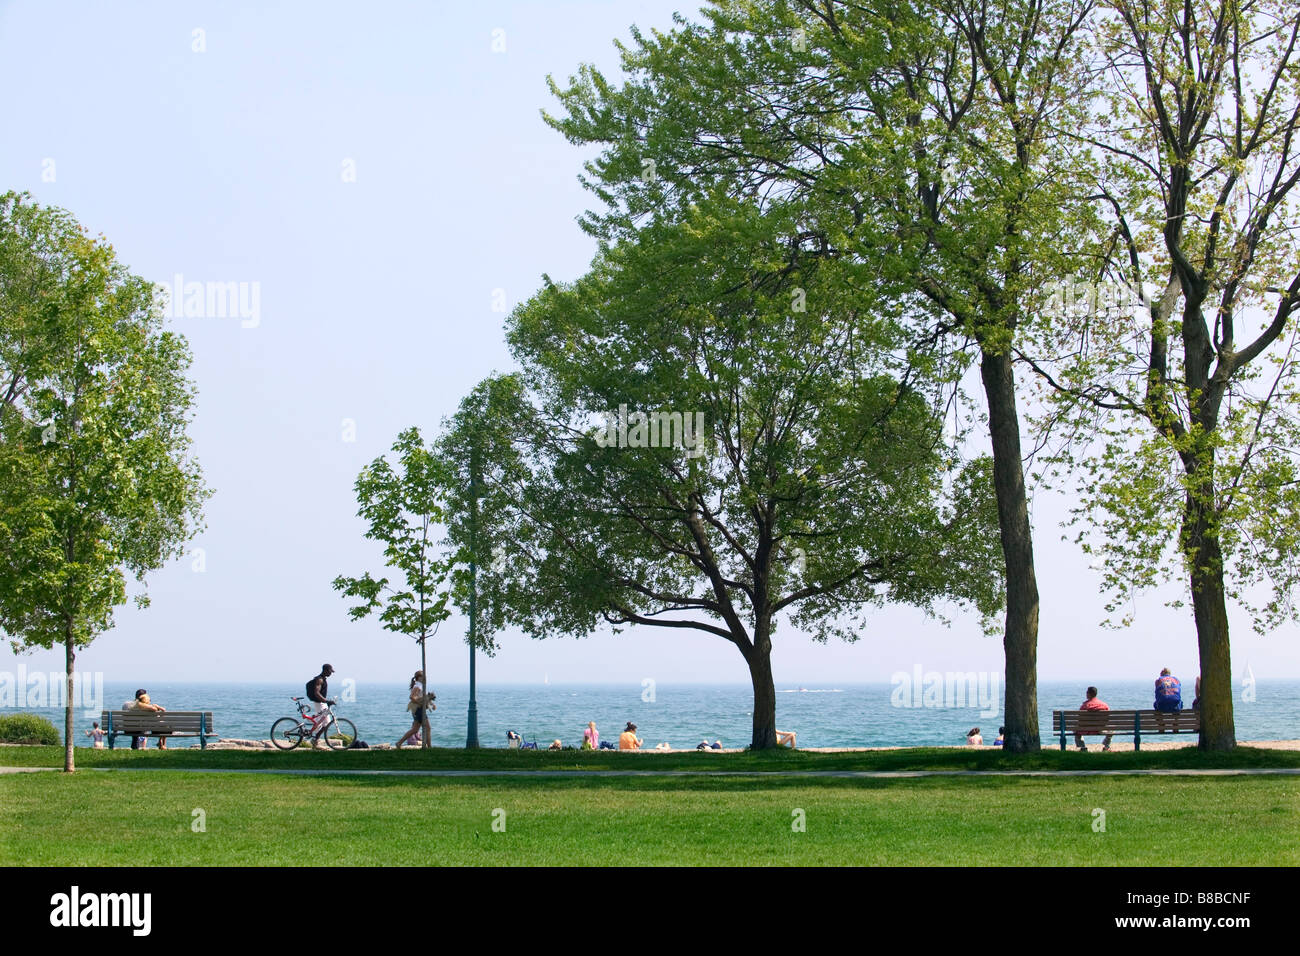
[943, 758]
[146, 818]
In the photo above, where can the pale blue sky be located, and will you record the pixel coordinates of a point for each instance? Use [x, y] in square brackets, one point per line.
[376, 309]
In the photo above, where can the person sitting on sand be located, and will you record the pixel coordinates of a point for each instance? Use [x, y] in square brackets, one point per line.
[973, 738]
[1002, 737]
[784, 738]
[591, 737]
[628, 740]
[555, 745]
[1092, 703]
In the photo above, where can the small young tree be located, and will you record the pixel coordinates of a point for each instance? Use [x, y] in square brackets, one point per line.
[402, 506]
[96, 477]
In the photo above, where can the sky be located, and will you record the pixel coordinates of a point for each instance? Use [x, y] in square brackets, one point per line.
[378, 182]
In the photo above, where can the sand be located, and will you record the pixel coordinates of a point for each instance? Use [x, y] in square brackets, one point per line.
[1094, 746]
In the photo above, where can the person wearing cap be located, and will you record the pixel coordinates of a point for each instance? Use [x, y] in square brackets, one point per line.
[142, 702]
[318, 689]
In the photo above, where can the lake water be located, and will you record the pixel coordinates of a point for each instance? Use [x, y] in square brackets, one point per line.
[824, 715]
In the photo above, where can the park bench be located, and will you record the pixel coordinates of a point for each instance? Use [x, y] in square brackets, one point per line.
[1092, 723]
[148, 723]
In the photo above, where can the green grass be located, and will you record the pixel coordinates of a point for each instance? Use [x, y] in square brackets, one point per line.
[953, 758]
[145, 819]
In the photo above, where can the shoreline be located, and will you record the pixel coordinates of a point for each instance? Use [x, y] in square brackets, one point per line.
[1117, 746]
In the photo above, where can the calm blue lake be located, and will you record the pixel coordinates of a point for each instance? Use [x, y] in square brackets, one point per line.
[825, 715]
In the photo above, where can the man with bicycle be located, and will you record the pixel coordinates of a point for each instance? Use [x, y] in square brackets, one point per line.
[318, 689]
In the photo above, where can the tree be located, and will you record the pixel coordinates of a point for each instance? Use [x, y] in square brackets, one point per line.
[403, 508]
[96, 476]
[927, 138]
[719, 430]
[1192, 390]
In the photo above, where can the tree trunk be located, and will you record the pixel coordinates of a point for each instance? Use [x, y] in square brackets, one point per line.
[1218, 731]
[759, 658]
[68, 729]
[1020, 638]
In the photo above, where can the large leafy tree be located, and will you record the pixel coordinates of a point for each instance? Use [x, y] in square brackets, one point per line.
[401, 502]
[96, 476]
[1191, 387]
[924, 138]
[783, 457]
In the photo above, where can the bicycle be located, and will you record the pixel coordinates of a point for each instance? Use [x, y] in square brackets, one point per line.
[290, 732]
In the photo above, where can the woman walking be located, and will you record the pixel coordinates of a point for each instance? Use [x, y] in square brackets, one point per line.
[418, 704]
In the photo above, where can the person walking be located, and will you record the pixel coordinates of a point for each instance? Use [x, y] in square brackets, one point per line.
[318, 689]
[418, 704]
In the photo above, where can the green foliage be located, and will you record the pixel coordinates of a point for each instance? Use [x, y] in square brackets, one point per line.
[820, 480]
[96, 475]
[401, 503]
[27, 729]
[1182, 398]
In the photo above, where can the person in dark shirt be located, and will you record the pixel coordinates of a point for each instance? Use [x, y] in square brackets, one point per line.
[318, 689]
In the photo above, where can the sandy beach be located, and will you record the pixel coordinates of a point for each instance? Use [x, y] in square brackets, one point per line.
[1117, 746]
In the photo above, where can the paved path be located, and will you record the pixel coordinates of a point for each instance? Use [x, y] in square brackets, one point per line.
[842, 774]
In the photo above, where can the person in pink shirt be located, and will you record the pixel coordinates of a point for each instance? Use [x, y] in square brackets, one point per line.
[591, 736]
[1092, 703]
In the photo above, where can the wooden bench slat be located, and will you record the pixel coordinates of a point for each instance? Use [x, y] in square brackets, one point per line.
[148, 723]
[1135, 723]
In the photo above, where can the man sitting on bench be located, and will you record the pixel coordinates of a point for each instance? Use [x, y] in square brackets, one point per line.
[1169, 697]
[1092, 703]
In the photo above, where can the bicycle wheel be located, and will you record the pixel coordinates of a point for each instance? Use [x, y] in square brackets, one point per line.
[341, 733]
[286, 733]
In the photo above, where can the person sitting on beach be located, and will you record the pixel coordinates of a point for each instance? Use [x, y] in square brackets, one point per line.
[1092, 703]
[555, 745]
[628, 740]
[591, 737]
[1169, 693]
[97, 735]
[973, 738]
[142, 702]
[784, 738]
[1002, 737]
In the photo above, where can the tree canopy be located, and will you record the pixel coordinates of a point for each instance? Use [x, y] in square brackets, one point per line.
[96, 476]
[716, 428]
